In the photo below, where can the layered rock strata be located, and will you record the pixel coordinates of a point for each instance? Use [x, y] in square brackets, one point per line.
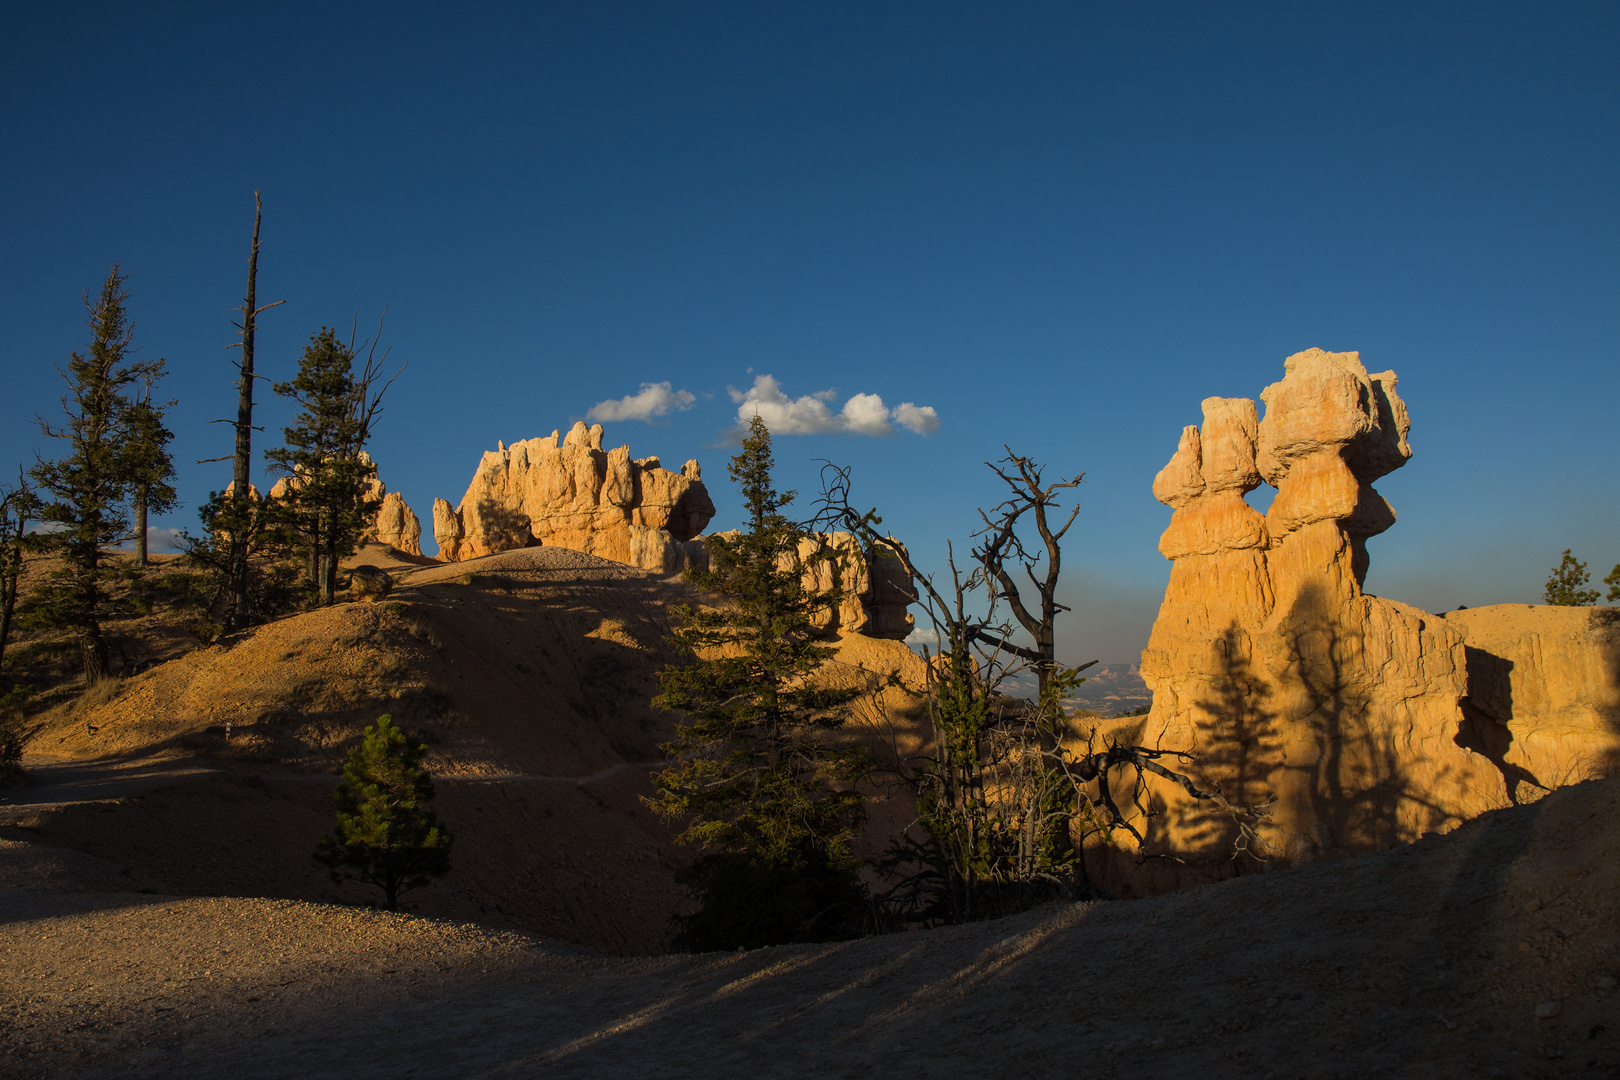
[566, 491]
[1334, 716]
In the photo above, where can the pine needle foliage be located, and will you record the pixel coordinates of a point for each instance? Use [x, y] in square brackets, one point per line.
[147, 457]
[758, 771]
[1566, 586]
[329, 504]
[386, 835]
[86, 492]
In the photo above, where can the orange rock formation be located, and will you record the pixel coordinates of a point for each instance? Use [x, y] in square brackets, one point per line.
[1358, 721]
[578, 496]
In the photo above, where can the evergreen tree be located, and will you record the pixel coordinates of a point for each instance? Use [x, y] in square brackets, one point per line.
[18, 506]
[386, 835]
[328, 505]
[87, 489]
[146, 456]
[1566, 586]
[1613, 582]
[758, 772]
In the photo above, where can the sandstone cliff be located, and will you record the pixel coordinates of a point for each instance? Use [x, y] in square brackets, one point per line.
[576, 495]
[1341, 713]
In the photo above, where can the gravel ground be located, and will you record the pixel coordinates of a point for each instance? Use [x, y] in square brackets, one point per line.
[1491, 951]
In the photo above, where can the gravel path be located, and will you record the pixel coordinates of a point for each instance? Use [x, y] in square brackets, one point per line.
[1488, 952]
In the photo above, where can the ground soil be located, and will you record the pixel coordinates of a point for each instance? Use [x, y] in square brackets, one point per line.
[1491, 951]
[530, 675]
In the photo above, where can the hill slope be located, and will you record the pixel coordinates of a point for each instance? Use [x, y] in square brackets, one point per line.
[529, 673]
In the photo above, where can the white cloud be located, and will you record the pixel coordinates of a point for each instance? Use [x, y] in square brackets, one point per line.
[862, 414]
[921, 419]
[655, 399]
[805, 416]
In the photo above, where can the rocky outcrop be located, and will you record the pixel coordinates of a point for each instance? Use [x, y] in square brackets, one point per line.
[570, 493]
[875, 586]
[1543, 698]
[395, 524]
[1339, 713]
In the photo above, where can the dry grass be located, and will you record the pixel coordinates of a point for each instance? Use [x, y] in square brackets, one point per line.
[422, 630]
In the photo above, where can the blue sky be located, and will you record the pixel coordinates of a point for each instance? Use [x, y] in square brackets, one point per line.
[1058, 226]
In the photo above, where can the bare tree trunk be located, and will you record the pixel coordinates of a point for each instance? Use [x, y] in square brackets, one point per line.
[140, 525]
[329, 568]
[92, 646]
[242, 539]
[243, 462]
[9, 576]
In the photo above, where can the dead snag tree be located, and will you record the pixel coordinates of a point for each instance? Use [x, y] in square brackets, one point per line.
[1002, 799]
[233, 520]
[1001, 545]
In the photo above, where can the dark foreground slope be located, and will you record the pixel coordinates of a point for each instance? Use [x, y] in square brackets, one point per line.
[530, 674]
[1491, 951]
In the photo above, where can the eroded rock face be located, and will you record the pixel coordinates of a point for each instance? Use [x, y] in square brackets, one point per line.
[566, 491]
[1340, 712]
[1543, 692]
[397, 526]
[876, 589]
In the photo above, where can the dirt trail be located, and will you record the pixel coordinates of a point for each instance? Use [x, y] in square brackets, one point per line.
[65, 783]
[1491, 951]
[55, 784]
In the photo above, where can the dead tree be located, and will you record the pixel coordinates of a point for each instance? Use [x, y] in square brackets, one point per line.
[239, 516]
[1001, 546]
[1001, 796]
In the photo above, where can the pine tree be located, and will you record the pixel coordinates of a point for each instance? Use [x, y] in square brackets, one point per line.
[1613, 582]
[1566, 586]
[758, 771]
[328, 504]
[18, 506]
[88, 488]
[147, 459]
[386, 835]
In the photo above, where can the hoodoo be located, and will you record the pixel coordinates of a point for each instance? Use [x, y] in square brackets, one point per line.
[1345, 721]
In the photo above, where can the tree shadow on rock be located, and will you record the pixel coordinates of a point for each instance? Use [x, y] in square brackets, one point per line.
[1357, 784]
[1240, 746]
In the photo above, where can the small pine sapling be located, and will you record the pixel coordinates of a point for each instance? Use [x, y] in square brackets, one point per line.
[386, 836]
[1566, 585]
